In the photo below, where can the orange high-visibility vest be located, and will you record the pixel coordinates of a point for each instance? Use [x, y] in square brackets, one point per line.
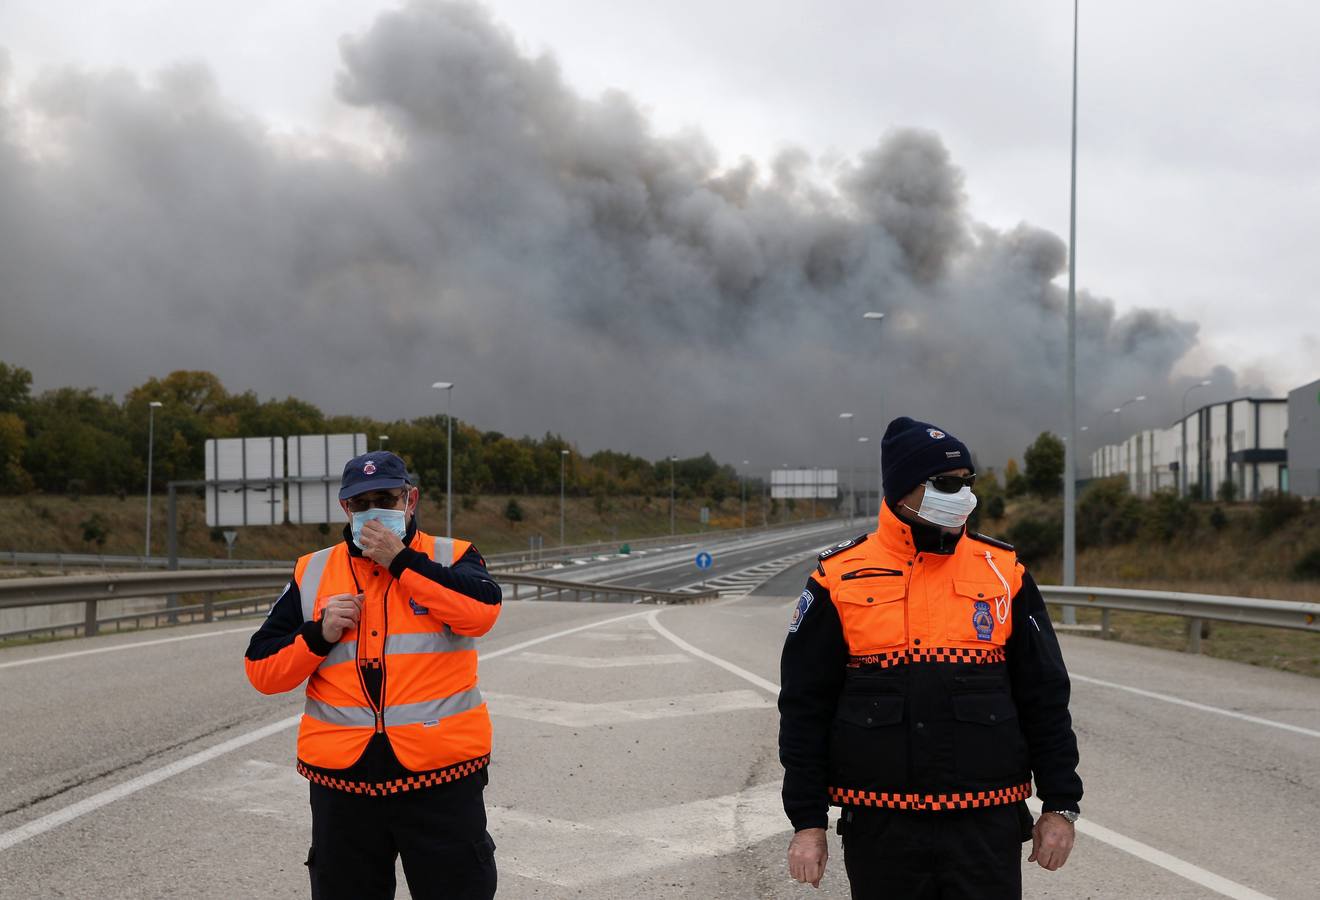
[431, 708]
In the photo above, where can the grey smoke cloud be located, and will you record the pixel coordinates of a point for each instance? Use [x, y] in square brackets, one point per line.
[568, 267]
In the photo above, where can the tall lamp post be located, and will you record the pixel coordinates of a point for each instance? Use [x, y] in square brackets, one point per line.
[1070, 445]
[672, 460]
[852, 497]
[152, 406]
[1182, 476]
[877, 317]
[866, 508]
[563, 462]
[448, 388]
[746, 463]
[381, 441]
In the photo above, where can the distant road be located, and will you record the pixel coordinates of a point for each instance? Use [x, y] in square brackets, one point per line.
[635, 756]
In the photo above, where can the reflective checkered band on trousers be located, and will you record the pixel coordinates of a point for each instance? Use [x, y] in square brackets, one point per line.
[974, 655]
[398, 785]
[846, 797]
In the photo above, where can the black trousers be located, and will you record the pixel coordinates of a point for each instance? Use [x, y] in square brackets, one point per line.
[972, 854]
[440, 833]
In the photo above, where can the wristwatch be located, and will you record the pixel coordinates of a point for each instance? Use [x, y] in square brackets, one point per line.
[1071, 815]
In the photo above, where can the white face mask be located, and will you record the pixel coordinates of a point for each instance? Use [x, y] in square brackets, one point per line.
[395, 520]
[947, 510]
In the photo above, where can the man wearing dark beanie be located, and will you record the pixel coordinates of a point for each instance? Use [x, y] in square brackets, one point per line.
[923, 690]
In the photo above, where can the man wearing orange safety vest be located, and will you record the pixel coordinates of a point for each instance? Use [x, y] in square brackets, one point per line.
[922, 689]
[395, 738]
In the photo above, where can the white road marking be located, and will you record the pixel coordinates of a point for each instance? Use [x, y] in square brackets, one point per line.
[574, 854]
[1166, 861]
[169, 640]
[572, 714]
[1191, 704]
[604, 662]
[132, 786]
[620, 638]
[763, 683]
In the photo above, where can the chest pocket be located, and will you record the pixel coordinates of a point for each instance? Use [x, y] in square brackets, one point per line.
[873, 612]
[978, 612]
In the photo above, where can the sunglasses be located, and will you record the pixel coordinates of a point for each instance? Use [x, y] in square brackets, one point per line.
[951, 484]
[375, 500]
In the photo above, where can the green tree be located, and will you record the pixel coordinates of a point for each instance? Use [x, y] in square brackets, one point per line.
[1044, 466]
[1015, 485]
[15, 388]
[13, 439]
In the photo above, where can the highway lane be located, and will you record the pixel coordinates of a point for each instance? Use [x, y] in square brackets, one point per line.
[626, 764]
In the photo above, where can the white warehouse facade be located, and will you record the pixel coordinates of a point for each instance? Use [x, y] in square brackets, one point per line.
[1242, 442]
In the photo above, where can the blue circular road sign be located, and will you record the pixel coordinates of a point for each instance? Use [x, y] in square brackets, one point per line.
[704, 560]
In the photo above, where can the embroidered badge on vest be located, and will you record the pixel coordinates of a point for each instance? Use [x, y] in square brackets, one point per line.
[983, 621]
[417, 608]
[803, 604]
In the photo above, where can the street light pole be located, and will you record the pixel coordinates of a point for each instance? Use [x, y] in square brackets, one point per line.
[852, 496]
[448, 388]
[746, 463]
[381, 441]
[672, 460]
[1070, 445]
[1182, 476]
[866, 508]
[151, 447]
[563, 461]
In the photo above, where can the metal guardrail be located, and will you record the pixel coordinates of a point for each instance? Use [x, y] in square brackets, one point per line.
[1196, 608]
[16, 559]
[91, 590]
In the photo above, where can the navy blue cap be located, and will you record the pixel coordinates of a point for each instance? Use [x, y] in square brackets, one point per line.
[377, 471]
[913, 451]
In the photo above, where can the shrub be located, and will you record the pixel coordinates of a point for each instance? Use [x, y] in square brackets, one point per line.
[994, 508]
[512, 511]
[1037, 539]
[94, 530]
[1227, 492]
[1309, 565]
[1276, 510]
[468, 502]
[1167, 515]
[1218, 521]
[1107, 513]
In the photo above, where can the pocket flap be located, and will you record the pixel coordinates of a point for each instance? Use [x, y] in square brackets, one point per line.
[979, 590]
[872, 711]
[871, 592]
[984, 709]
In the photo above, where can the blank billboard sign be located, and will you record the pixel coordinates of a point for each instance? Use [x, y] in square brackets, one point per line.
[316, 463]
[248, 460]
[804, 484]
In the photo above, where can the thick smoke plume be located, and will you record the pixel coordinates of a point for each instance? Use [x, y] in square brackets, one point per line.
[569, 268]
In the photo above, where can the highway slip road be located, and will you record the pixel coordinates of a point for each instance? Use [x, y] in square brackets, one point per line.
[635, 756]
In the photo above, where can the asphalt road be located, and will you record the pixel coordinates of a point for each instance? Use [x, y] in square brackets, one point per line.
[635, 755]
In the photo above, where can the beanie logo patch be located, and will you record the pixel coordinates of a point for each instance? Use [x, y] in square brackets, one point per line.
[952, 454]
[936, 434]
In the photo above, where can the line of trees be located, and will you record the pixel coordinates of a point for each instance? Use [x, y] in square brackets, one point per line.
[73, 440]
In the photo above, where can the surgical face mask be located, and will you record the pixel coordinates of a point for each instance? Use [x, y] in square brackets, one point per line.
[395, 520]
[948, 510]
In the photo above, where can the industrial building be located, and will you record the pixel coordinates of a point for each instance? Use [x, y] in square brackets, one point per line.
[1241, 441]
[1304, 440]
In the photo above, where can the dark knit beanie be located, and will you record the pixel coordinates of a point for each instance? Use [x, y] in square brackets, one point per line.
[913, 451]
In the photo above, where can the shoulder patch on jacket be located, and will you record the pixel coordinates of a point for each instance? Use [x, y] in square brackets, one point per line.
[993, 542]
[843, 545]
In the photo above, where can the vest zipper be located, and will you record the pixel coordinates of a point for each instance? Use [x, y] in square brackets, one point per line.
[385, 616]
[377, 708]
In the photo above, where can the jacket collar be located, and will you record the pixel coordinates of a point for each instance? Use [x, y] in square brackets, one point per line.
[898, 536]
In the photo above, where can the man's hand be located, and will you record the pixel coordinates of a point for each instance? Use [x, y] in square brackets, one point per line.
[807, 854]
[1051, 841]
[341, 612]
[379, 543]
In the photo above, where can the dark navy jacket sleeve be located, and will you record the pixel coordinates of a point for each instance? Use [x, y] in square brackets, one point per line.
[463, 595]
[1041, 690]
[285, 649]
[812, 670]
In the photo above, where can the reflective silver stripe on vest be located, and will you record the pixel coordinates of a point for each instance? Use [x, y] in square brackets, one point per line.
[344, 651]
[443, 551]
[311, 581]
[428, 642]
[349, 716]
[432, 710]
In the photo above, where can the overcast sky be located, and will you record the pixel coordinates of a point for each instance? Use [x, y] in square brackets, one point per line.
[1198, 189]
